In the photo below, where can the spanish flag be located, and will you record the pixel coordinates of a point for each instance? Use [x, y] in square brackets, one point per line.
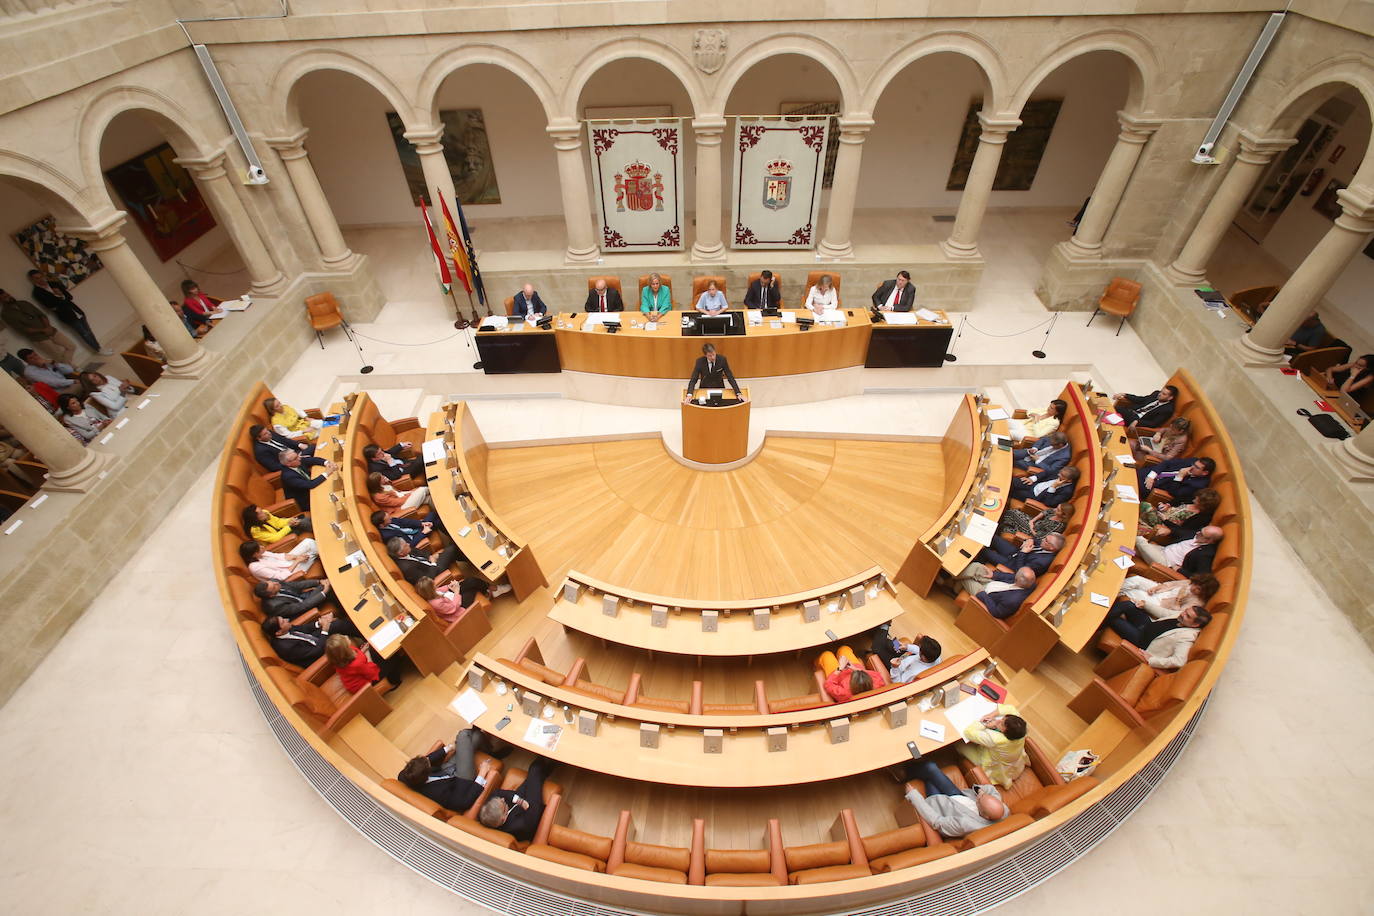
[445, 278]
[457, 248]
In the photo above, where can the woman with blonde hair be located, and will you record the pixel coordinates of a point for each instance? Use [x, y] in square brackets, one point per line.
[385, 496]
[360, 666]
[822, 297]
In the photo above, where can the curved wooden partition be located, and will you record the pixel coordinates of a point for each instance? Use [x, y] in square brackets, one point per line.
[1131, 736]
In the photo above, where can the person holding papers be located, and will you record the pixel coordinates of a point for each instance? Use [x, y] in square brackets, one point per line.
[822, 297]
[655, 300]
[528, 305]
[712, 300]
[602, 299]
[712, 371]
[997, 744]
[896, 295]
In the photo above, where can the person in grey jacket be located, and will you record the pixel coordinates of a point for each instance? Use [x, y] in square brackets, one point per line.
[952, 811]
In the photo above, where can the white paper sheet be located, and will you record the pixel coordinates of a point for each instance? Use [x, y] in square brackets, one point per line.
[542, 734]
[596, 318]
[494, 321]
[1099, 600]
[980, 528]
[1113, 418]
[1123, 561]
[932, 730]
[1126, 459]
[789, 318]
[927, 315]
[469, 705]
[1116, 525]
[899, 318]
[385, 635]
[235, 305]
[832, 316]
[964, 713]
[998, 413]
[432, 451]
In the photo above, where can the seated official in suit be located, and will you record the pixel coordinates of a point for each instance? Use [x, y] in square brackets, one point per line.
[1151, 410]
[1189, 557]
[603, 299]
[292, 599]
[416, 564]
[528, 303]
[268, 566]
[712, 371]
[656, 299]
[1165, 523]
[449, 775]
[268, 444]
[896, 295]
[952, 811]
[712, 300]
[763, 293]
[1180, 478]
[303, 645]
[1003, 599]
[1037, 555]
[518, 812]
[1166, 641]
[411, 530]
[1051, 456]
[1049, 490]
[1168, 599]
[360, 666]
[997, 743]
[390, 464]
[296, 482]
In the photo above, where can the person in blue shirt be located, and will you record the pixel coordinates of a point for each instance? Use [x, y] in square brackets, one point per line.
[712, 300]
[656, 299]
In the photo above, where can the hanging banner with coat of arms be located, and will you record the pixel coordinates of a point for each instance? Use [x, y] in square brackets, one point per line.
[779, 163]
[638, 173]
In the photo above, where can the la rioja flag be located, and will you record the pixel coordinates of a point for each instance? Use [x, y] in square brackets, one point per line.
[445, 278]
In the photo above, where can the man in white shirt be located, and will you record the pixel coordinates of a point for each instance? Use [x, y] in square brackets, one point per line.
[897, 295]
[952, 811]
[1172, 555]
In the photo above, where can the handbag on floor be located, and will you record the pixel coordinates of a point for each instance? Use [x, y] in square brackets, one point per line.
[1329, 426]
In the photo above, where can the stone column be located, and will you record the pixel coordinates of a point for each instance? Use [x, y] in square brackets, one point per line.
[1263, 346]
[71, 466]
[577, 201]
[839, 218]
[210, 174]
[1356, 454]
[1190, 267]
[185, 357]
[708, 245]
[429, 145]
[973, 203]
[1111, 185]
[333, 249]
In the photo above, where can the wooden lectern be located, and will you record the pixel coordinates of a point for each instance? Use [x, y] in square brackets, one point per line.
[715, 435]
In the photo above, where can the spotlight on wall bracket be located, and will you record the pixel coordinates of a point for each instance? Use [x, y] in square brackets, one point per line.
[256, 176]
[1204, 156]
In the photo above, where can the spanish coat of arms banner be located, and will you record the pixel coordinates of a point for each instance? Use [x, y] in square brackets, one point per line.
[638, 173]
[779, 164]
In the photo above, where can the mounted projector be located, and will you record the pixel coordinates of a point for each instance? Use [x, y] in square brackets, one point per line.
[1204, 156]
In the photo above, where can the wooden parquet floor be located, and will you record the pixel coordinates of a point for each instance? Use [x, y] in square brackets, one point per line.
[806, 512]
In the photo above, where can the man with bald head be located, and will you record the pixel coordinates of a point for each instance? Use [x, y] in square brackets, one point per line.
[1189, 557]
[601, 298]
[527, 303]
[952, 811]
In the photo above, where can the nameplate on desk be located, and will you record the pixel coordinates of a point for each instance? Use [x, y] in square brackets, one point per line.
[572, 591]
[811, 611]
[838, 730]
[710, 621]
[588, 723]
[478, 678]
[712, 740]
[658, 616]
[648, 735]
[530, 703]
[857, 597]
[777, 739]
[895, 715]
[762, 618]
[610, 605]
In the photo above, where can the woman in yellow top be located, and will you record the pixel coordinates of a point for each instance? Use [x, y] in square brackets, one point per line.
[266, 528]
[291, 422]
[997, 743]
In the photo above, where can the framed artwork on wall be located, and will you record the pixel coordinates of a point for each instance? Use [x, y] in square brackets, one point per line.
[466, 149]
[1021, 156]
[832, 145]
[60, 256]
[162, 199]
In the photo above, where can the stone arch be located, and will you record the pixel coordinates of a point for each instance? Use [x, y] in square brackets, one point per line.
[963, 43]
[1307, 92]
[1145, 73]
[823, 53]
[70, 204]
[442, 67]
[173, 121]
[281, 98]
[670, 58]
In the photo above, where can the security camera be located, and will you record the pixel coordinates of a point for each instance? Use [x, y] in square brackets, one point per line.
[1204, 156]
[256, 175]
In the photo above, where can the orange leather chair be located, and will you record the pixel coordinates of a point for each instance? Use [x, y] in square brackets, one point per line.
[147, 368]
[1009, 824]
[531, 660]
[777, 285]
[611, 283]
[1140, 694]
[1120, 299]
[1039, 790]
[815, 276]
[835, 861]
[437, 811]
[321, 700]
[629, 859]
[554, 841]
[324, 313]
[510, 305]
[699, 285]
[579, 680]
[635, 697]
[914, 844]
[748, 867]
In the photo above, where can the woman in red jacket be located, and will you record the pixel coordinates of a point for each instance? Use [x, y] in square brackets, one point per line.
[357, 667]
[846, 675]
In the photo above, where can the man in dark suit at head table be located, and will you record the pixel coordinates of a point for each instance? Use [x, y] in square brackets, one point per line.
[527, 302]
[603, 299]
[712, 371]
[896, 295]
[763, 293]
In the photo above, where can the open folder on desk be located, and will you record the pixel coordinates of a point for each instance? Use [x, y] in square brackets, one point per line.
[980, 528]
[596, 318]
[964, 713]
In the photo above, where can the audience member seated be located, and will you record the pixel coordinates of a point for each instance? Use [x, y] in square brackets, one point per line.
[846, 676]
[304, 645]
[891, 650]
[288, 421]
[914, 658]
[712, 300]
[267, 529]
[997, 743]
[952, 811]
[196, 324]
[1003, 599]
[1165, 523]
[60, 377]
[1037, 555]
[1042, 459]
[266, 565]
[1310, 335]
[656, 299]
[360, 666]
[296, 482]
[1151, 410]
[449, 776]
[451, 600]
[388, 497]
[268, 444]
[1023, 527]
[1166, 641]
[1189, 557]
[109, 394]
[411, 530]
[416, 564]
[527, 303]
[1167, 444]
[603, 299]
[822, 297]
[390, 464]
[197, 304]
[85, 422]
[1347, 378]
[763, 292]
[895, 295]
[292, 599]
[517, 812]
[42, 392]
[1037, 425]
[1168, 599]
[1049, 491]
[1180, 478]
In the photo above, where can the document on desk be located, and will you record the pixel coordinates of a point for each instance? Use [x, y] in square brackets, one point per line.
[964, 713]
[1100, 600]
[899, 318]
[469, 705]
[1126, 459]
[495, 321]
[1123, 562]
[832, 316]
[432, 451]
[1126, 493]
[998, 413]
[385, 635]
[932, 730]
[543, 735]
[927, 315]
[596, 318]
[789, 318]
[980, 528]
[235, 305]
[1117, 525]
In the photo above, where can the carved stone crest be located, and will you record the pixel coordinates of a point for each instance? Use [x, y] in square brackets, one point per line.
[708, 48]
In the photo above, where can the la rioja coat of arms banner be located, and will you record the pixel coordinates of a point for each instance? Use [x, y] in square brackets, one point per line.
[638, 169]
[779, 164]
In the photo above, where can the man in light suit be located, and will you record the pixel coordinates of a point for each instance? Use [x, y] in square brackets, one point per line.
[603, 299]
[712, 371]
[1003, 599]
[763, 293]
[1166, 642]
[896, 295]
[527, 302]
